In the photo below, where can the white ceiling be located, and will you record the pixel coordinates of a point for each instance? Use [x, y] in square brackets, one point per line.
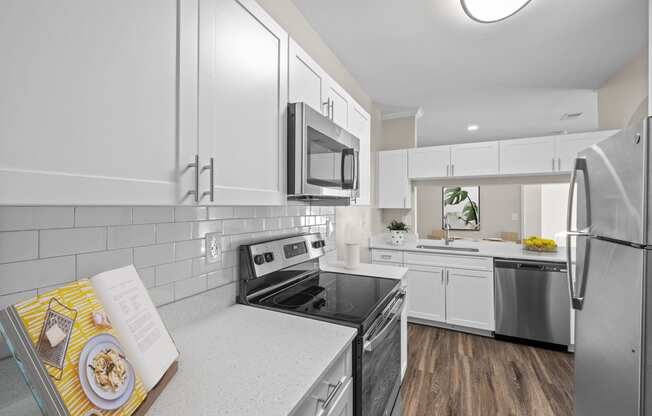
[513, 78]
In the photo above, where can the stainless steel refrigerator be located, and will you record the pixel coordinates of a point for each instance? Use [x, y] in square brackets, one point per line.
[611, 289]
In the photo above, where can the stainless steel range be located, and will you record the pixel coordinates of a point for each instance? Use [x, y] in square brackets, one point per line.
[284, 275]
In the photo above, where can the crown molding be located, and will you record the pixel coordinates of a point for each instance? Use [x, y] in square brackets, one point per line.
[416, 113]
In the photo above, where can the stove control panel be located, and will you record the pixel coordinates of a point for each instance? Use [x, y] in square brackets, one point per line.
[269, 256]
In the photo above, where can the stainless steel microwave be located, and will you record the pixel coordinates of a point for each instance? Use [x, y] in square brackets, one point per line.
[323, 158]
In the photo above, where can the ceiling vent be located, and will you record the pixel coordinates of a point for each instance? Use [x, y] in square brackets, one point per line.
[571, 116]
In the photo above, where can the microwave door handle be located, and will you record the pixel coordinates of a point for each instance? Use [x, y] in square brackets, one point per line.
[356, 171]
[347, 184]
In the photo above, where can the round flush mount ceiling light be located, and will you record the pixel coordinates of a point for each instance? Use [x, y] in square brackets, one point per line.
[489, 11]
[473, 127]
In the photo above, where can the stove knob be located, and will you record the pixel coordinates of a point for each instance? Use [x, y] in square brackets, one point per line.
[259, 259]
[269, 257]
[318, 244]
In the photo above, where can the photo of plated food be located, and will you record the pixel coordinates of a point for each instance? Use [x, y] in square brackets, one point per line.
[105, 375]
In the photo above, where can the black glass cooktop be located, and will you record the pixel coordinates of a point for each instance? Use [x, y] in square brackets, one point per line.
[335, 296]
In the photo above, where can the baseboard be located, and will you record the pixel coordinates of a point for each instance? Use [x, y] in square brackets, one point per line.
[459, 328]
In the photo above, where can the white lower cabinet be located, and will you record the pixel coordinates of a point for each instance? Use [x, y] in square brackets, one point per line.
[427, 296]
[469, 299]
[332, 394]
[446, 288]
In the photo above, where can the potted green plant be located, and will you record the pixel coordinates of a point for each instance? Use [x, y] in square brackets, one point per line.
[398, 230]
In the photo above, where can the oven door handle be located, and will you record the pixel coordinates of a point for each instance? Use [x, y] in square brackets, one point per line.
[371, 344]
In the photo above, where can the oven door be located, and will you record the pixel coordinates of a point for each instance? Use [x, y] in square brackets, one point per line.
[325, 157]
[381, 362]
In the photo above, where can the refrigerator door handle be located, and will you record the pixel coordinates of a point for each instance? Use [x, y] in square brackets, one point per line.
[579, 164]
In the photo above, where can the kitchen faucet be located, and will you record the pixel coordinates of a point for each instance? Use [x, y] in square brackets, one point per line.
[447, 231]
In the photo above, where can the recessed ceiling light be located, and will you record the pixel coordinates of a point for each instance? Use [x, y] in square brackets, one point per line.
[489, 11]
[473, 127]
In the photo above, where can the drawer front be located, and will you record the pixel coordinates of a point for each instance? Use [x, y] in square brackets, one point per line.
[447, 260]
[331, 385]
[387, 256]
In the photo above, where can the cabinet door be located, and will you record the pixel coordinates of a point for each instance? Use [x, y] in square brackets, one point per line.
[531, 155]
[89, 101]
[393, 183]
[570, 144]
[427, 293]
[307, 79]
[474, 159]
[340, 103]
[429, 162]
[470, 299]
[242, 102]
[343, 404]
[360, 126]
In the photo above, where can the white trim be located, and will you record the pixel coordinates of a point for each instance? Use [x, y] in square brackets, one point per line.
[416, 113]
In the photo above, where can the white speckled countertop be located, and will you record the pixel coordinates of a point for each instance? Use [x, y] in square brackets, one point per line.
[365, 269]
[485, 249]
[249, 361]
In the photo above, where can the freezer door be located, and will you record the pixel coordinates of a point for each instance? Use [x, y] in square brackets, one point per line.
[615, 170]
[608, 332]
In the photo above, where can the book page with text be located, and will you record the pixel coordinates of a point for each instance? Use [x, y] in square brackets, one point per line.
[139, 327]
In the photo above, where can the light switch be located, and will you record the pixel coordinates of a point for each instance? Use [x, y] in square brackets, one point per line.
[213, 247]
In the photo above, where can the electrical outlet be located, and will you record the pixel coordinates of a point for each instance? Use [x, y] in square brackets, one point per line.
[213, 247]
[514, 216]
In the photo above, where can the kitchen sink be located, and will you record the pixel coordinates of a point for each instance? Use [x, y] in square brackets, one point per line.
[467, 249]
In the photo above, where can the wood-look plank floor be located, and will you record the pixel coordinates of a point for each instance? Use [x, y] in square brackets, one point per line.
[455, 374]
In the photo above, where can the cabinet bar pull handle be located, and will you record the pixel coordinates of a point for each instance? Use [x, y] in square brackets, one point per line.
[453, 169]
[327, 103]
[553, 164]
[333, 390]
[332, 110]
[211, 191]
[559, 164]
[194, 165]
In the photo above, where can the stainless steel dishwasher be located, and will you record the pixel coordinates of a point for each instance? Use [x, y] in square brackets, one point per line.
[532, 301]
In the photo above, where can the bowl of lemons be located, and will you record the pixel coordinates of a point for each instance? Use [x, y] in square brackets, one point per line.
[539, 244]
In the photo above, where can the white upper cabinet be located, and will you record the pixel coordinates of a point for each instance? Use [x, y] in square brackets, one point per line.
[569, 145]
[339, 103]
[360, 126]
[475, 159]
[89, 101]
[393, 183]
[429, 162]
[243, 57]
[531, 155]
[307, 79]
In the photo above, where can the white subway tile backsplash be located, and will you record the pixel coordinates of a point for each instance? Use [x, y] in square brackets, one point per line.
[131, 236]
[71, 241]
[190, 214]
[54, 245]
[162, 295]
[188, 249]
[18, 245]
[220, 278]
[96, 216]
[14, 298]
[172, 272]
[36, 218]
[218, 213]
[189, 287]
[176, 231]
[153, 255]
[28, 275]
[201, 228]
[152, 215]
[88, 265]
[148, 276]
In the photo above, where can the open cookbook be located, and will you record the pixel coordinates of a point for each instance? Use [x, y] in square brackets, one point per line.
[93, 347]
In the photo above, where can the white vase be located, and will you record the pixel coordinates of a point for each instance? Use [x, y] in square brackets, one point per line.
[398, 237]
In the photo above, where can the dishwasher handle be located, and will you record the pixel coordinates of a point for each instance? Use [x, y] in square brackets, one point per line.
[530, 265]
